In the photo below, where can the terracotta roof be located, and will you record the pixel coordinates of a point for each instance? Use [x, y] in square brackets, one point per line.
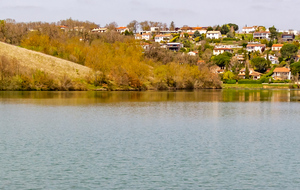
[163, 35]
[120, 28]
[254, 73]
[146, 34]
[222, 49]
[244, 69]
[277, 45]
[262, 32]
[214, 32]
[254, 45]
[248, 27]
[197, 28]
[281, 70]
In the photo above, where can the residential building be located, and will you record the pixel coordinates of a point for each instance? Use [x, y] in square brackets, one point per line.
[146, 36]
[202, 31]
[193, 53]
[281, 73]
[213, 34]
[248, 30]
[295, 32]
[174, 46]
[288, 37]
[100, 30]
[252, 74]
[138, 36]
[186, 29]
[218, 51]
[122, 29]
[163, 37]
[256, 47]
[272, 58]
[262, 35]
[154, 29]
[240, 58]
[276, 47]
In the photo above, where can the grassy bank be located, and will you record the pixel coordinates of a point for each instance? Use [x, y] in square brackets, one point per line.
[226, 86]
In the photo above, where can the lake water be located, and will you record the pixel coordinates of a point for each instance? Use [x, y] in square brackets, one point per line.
[208, 139]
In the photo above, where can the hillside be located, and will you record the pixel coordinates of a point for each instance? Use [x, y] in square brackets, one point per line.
[38, 61]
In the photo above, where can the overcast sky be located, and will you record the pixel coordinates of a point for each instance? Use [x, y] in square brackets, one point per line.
[281, 13]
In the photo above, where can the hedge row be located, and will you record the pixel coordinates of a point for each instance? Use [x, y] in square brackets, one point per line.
[249, 81]
[230, 81]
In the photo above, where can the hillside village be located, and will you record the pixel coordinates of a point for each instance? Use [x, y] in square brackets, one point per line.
[235, 54]
[152, 55]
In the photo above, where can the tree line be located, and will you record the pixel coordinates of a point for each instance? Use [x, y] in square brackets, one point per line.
[118, 61]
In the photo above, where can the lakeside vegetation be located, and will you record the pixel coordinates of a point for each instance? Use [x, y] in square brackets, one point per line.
[114, 60]
[117, 62]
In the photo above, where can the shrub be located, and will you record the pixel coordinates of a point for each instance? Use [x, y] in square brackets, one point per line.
[266, 79]
[249, 81]
[230, 81]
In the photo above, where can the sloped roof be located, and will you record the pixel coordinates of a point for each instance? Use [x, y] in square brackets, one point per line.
[281, 70]
[277, 45]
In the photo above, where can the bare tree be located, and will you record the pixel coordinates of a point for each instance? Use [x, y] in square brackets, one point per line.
[133, 26]
[111, 26]
[172, 26]
[145, 25]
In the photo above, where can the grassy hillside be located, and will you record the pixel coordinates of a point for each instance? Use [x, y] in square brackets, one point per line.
[22, 69]
[32, 60]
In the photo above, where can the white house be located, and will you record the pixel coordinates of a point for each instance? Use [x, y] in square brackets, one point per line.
[253, 74]
[262, 35]
[163, 37]
[146, 36]
[256, 47]
[202, 31]
[213, 34]
[154, 29]
[248, 30]
[218, 51]
[100, 30]
[193, 53]
[276, 47]
[281, 73]
[273, 59]
[122, 29]
[138, 36]
[295, 32]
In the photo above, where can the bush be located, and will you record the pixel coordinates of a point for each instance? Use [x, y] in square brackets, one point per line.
[281, 81]
[249, 81]
[230, 39]
[230, 81]
[266, 79]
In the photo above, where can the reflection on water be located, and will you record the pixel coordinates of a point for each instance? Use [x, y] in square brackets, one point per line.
[208, 139]
[82, 98]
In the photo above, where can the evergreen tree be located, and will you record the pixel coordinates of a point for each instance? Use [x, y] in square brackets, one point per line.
[247, 72]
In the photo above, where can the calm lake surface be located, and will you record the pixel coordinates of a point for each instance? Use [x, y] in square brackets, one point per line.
[208, 139]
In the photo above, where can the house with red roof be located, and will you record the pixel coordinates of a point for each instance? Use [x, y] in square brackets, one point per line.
[281, 73]
[276, 47]
[253, 74]
[193, 53]
[248, 30]
[122, 29]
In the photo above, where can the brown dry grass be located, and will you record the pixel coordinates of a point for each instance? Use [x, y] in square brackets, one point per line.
[34, 60]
